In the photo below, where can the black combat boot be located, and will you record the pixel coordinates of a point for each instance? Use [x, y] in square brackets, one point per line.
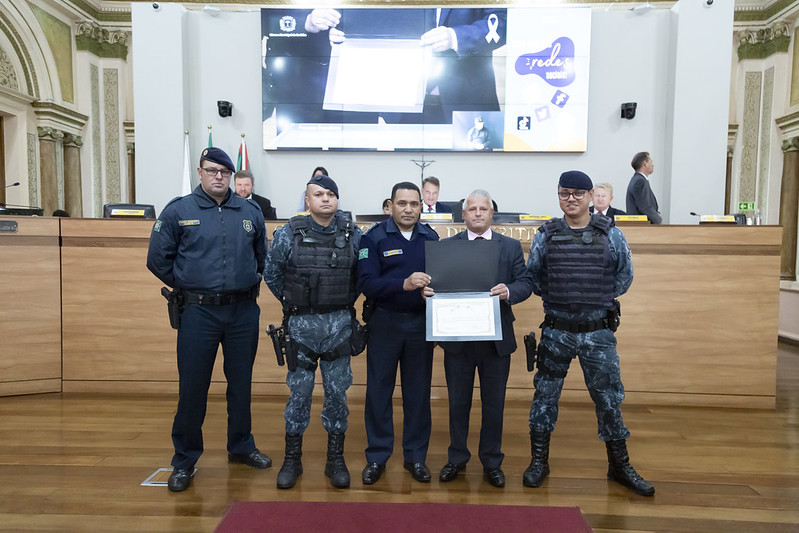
[292, 465]
[335, 468]
[620, 470]
[539, 464]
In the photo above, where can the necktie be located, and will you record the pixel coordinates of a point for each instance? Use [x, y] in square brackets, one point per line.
[429, 208]
[479, 238]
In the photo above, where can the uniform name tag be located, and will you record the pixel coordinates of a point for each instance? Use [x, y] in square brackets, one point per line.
[389, 253]
[188, 222]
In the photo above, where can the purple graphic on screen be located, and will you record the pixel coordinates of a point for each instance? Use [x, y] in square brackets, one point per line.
[560, 98]
[542, 113]
[555, 65]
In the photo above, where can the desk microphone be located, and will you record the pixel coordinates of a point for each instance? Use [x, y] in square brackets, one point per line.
[15, 184]
[693, 214]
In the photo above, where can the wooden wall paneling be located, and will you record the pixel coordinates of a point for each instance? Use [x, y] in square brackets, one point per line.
[699, 324]
[30, 312]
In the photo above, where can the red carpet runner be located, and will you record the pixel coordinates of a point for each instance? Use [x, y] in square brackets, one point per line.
[330, 517]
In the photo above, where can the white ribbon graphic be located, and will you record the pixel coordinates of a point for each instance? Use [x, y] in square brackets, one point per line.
[493, 24]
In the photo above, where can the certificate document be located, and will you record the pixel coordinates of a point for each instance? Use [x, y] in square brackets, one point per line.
[463, 316]
[376, 75]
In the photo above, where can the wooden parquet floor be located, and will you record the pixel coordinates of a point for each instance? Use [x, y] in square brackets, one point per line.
[76, 463]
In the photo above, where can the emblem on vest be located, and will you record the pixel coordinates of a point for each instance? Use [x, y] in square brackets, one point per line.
[247, 225]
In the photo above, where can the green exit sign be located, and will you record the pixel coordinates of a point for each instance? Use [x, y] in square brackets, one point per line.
[746, 206]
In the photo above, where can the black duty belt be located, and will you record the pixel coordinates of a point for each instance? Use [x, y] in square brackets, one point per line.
[318, 310]
[223, 298]
[574, 327]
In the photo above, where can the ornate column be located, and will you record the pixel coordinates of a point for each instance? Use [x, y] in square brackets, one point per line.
[732, 131]
[73, 192]
[49, 150]
[59, 156]
[130, 143]
[789, 206]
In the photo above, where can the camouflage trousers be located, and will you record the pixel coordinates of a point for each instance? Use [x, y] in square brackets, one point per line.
[319, 333]
[599, 360]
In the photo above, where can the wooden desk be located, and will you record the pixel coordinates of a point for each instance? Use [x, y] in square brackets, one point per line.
[699, 324]
[30, 312]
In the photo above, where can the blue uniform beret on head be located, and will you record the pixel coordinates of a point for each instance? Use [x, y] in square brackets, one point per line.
[218, 156]
[574, 179]
[326, 182]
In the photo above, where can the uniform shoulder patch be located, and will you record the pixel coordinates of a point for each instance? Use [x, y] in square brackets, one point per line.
[247, 225]
[157, 226]
[363, 253]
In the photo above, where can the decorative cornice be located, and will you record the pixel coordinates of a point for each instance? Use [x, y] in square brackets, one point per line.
[101, 42]
[764, 42]
[788, 125]
[762, 13]
[59, 117]
[732, 133]
[119, 13]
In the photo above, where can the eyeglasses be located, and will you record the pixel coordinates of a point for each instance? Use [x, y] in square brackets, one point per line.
[578, 195]
[214, 171]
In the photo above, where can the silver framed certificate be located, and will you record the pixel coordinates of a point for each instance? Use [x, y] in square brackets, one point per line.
[463, 316]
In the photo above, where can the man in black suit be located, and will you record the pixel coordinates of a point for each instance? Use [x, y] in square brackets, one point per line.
[640, 198]
[244, 182]
[430, 188]
[603, 195]
[490, 358]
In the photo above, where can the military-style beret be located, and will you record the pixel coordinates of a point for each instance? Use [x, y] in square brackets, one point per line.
[218, 156]
[326, 182]
[574, 179]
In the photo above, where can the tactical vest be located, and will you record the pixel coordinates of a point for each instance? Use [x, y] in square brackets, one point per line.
[579, 274]
[320, 273]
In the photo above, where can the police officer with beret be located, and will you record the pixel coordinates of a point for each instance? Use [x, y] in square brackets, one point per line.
[311, 270]
[391, 275]
[580, 264]
[210, 246]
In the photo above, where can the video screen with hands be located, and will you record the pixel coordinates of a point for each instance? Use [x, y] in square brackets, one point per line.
[463, 79]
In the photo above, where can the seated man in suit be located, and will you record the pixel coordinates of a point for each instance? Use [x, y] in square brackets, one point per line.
[430, 188]
[603, 195]
[244, 182]
[491, 359]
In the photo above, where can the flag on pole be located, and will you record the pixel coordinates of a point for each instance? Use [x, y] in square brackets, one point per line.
[243, 162]
[186, 165]
[210, 139]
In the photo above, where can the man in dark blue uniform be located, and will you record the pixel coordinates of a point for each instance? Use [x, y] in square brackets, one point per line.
[210, 246]
[311, 270]
[580, 264]
[491, 359]
[391, 275]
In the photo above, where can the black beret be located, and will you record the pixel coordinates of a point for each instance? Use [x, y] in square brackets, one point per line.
[326, 182]
[574, 179]
[218, 156]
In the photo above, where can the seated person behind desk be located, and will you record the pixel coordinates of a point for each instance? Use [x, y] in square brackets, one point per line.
[430, 188]
[244, 182]
[603, 195]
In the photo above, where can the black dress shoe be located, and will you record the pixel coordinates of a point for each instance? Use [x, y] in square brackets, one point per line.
[419, 471]
[495, 476]
[450, 471]
[372, 472]
[180, 479]
[254, 459]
